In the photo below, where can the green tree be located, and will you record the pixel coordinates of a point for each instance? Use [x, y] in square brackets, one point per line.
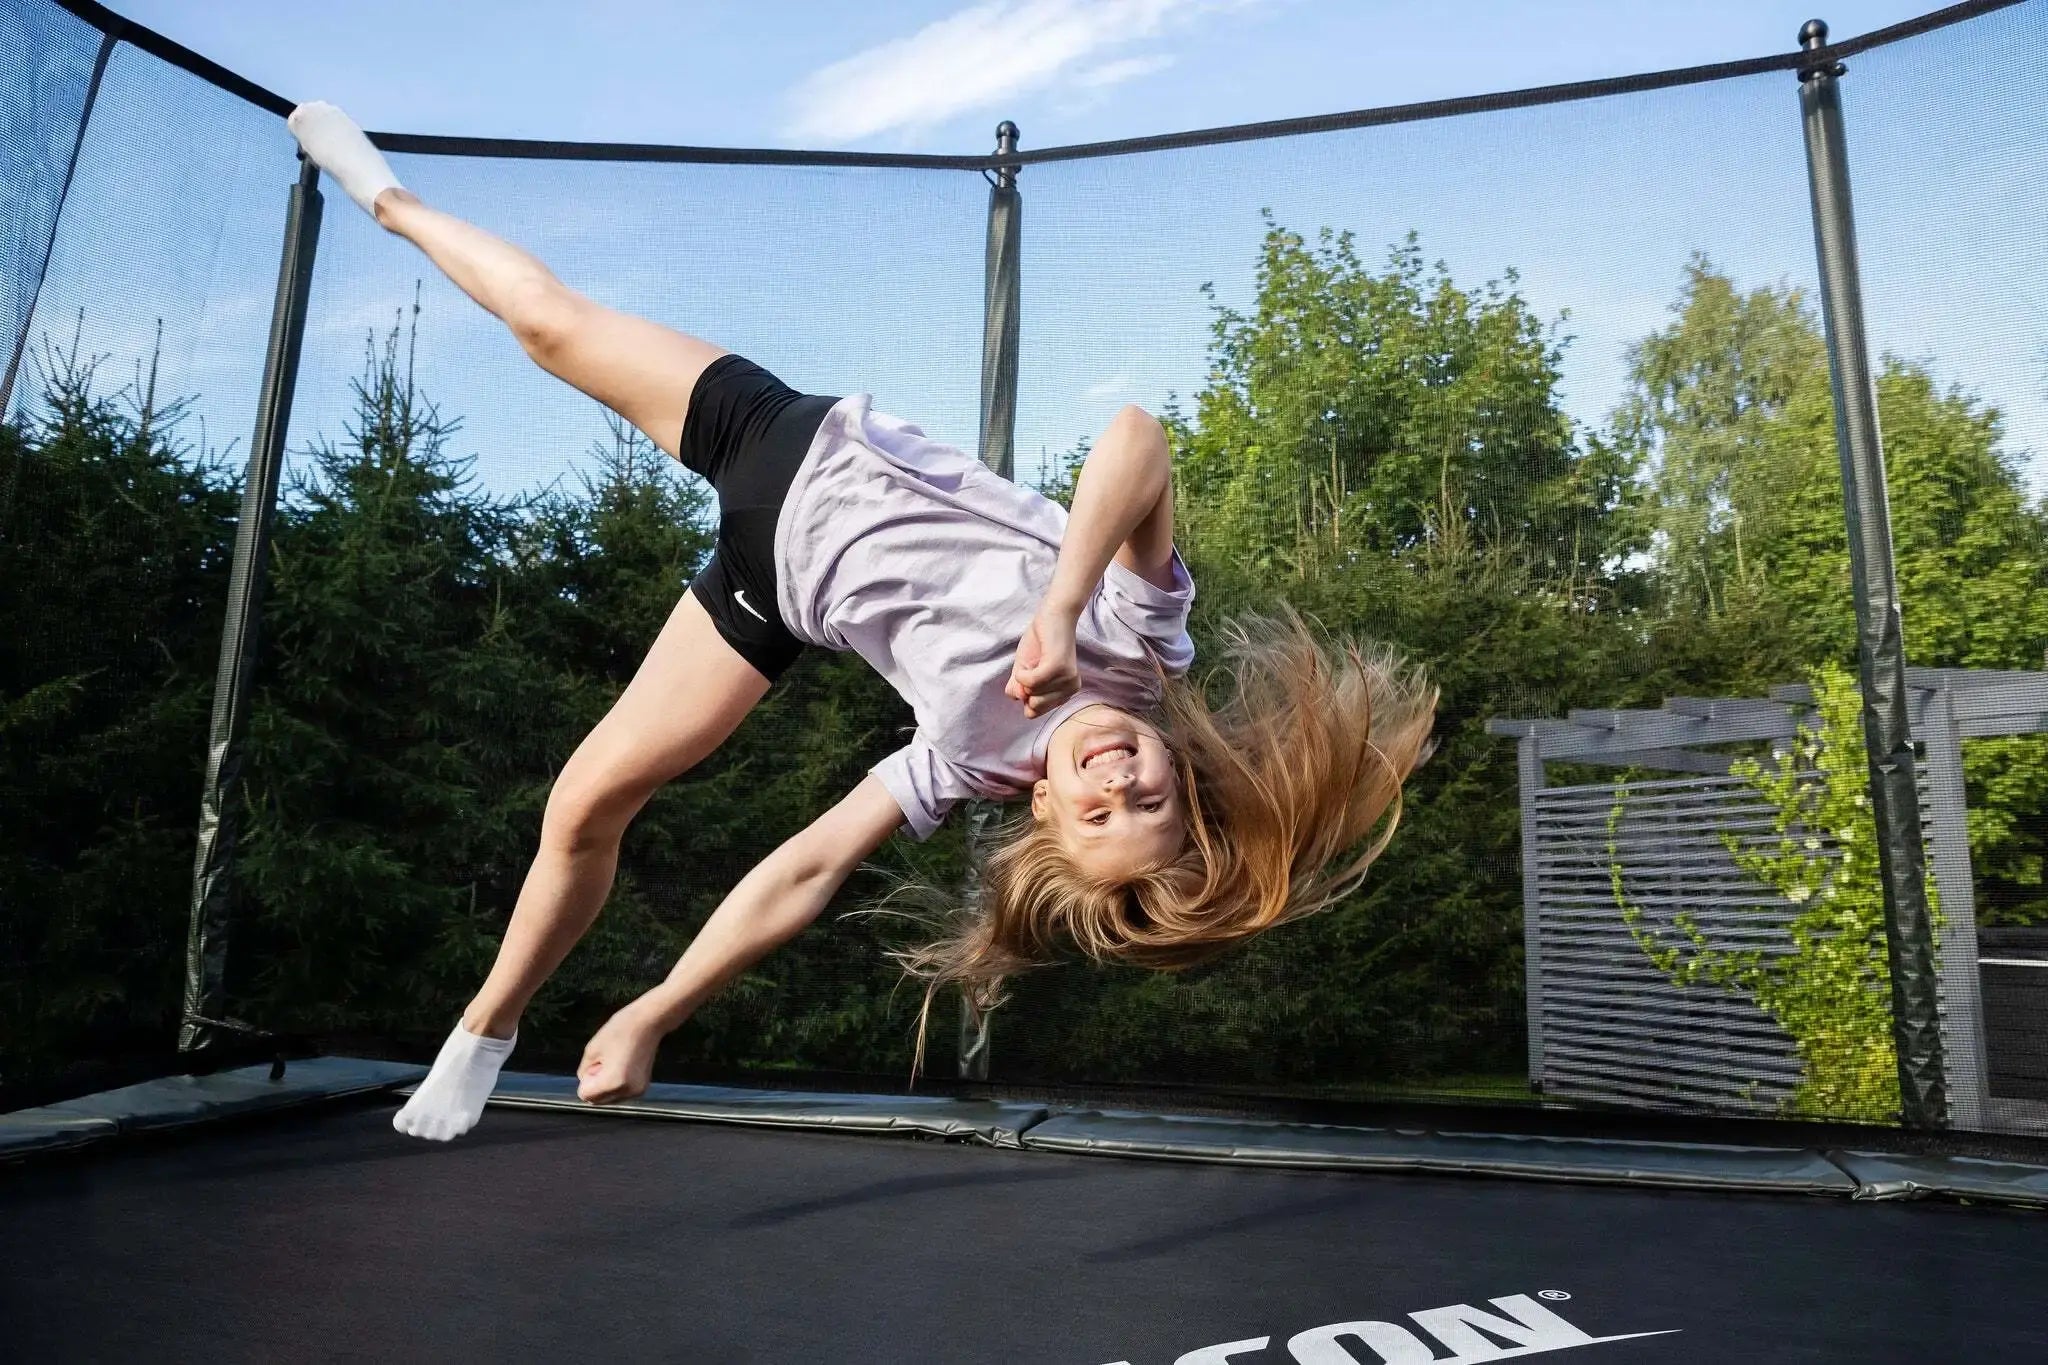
[1387, 452]
[1704, 422]
[1365, 408]
[1418, 974]
[401, 730]
[1731, 415]
[436, 653]
[115, 540]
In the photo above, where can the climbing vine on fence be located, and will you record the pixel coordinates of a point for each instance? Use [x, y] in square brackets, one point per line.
[1828, 985]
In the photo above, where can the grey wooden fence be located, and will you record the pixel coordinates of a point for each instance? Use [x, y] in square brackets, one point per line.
[1604, 1024]
[1615, 1028]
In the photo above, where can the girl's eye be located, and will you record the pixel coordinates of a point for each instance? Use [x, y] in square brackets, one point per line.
[1100, 817]
[1151, 806]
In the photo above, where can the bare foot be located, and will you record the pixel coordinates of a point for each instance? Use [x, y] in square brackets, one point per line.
[618, 1061]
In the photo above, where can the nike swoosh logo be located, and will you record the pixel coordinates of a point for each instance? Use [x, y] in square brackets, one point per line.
[741, 598]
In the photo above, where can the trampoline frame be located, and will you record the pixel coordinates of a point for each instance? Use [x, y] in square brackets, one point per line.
[206, 1030]
[1876, 1168]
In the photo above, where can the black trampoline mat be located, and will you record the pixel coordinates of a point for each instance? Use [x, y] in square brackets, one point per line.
[571, 1237]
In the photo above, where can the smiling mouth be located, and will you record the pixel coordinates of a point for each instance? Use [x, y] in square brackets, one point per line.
[1109, 751]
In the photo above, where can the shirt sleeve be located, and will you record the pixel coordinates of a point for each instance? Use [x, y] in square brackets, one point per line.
[1159, 616]
[925, 785]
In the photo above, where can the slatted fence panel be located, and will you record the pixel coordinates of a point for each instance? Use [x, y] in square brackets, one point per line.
[1613, 1028]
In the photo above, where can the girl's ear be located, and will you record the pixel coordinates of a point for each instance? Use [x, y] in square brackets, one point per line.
[1038, 799]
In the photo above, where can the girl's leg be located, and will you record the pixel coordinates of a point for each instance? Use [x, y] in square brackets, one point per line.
[691, 691]
[641, 370]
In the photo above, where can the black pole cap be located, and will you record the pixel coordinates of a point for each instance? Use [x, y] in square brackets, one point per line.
[1813, 37]
[1005, 177]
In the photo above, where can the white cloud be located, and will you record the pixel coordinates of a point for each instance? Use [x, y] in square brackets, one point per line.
[1117, 72]
[1116, 386]
[979, 57]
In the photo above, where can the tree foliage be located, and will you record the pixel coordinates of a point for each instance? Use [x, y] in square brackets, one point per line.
[115, 541]
[1389, 454]
[1375, 411]
[1731, 413]
[1381, 446]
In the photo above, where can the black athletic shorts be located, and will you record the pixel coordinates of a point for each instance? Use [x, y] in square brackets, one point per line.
[746, 433]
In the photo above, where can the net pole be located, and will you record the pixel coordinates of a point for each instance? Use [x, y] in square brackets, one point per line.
[1001, 288]
[208, 937]
[1881, 654]
[971, 1049]
[1001, 273]
[14, 352]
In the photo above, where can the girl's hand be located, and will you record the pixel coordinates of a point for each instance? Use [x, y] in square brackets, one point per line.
[619, 1061]
[1046, 672]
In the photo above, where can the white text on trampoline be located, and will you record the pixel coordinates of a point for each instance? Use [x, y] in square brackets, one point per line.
[1469, 1332]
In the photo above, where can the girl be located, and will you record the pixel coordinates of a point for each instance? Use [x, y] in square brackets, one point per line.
[1040, 652]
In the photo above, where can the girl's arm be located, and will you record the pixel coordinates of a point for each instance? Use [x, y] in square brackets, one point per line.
[772, 903]
[1123, 509]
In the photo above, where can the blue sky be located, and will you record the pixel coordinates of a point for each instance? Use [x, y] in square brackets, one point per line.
[936, 75]
[852, 279]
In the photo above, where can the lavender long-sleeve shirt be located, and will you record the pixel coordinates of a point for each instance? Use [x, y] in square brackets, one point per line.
[930, 566]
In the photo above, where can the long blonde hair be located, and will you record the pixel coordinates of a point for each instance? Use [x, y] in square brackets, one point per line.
[1291, 786]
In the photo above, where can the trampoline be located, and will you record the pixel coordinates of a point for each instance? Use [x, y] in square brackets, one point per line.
[1246, 1170]
[964, 1231]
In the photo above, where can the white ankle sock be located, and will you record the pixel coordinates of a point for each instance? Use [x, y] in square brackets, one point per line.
[339, 148]
[451, 1099]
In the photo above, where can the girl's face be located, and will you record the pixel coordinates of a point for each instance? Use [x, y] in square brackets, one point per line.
[1110, 790]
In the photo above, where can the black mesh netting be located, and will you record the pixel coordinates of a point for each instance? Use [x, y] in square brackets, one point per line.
[394, 804]
[1946, 171]
[45, 84]
[119, 474]
[1537, 395]
[1396, 357]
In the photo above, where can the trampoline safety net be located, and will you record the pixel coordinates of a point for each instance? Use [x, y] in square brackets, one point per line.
[1538, 391]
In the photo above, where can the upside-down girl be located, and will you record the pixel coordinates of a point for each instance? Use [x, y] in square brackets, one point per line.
[1044, 655]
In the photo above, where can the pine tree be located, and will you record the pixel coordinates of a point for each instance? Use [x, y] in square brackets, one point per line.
[115, 540]
[402, 730]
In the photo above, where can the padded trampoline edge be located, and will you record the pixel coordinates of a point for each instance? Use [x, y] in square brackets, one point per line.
[1302, 1146]
[993, 1122]
[1885, 1175]
[183, 1101]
